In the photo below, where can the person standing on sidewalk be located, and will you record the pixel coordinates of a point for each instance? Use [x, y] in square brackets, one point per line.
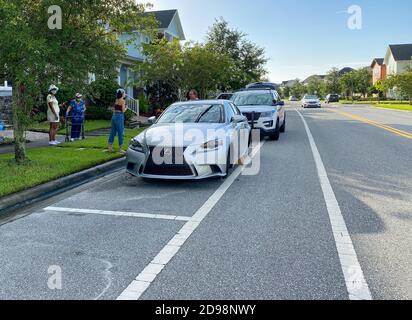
[118, 118]
[53, 111]
[76, 112]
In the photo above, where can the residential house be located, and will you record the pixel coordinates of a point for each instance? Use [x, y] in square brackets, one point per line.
[170, 27]
[378, 70]
[398, 59]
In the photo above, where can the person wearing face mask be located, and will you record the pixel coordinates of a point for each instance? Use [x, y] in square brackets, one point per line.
[53, 111]
[75, 112]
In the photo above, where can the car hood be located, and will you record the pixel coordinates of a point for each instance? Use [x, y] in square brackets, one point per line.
[260, 109]
[182, 134]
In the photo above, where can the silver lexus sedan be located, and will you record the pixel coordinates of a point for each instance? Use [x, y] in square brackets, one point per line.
[191, 140]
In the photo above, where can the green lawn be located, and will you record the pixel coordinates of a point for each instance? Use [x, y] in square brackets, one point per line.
[101, 142]
[51, 163]
[406, 107]
[373, 102]
[398, 105]
[90, 125]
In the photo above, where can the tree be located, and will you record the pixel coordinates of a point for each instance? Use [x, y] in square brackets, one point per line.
[348, 83]
[402, 82]
[163, 64]
[298, 89]
[34, 52]
[379, 88]
[185, 67]
[286, 92]
[332, 83]
[249, 59]
[363, 81]
[316, 87]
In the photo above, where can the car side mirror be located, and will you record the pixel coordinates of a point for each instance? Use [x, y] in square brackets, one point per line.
[281, 103]
[152, 120]
[238, 118]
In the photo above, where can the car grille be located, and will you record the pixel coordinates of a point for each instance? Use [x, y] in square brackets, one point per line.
[248, 115]
[173, 167]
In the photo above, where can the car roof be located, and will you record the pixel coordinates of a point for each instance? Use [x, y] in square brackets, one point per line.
[195, 102]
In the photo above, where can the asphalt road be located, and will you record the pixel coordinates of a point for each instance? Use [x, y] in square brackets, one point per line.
[265, 236]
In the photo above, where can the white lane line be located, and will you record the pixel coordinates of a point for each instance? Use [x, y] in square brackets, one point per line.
[119, 213]
[355, 281]
[142, 282]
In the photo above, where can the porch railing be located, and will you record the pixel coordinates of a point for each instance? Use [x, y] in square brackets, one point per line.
[133, 105]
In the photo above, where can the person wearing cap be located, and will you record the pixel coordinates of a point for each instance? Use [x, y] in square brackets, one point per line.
[53, 111]
[75, 112]
[118, 118]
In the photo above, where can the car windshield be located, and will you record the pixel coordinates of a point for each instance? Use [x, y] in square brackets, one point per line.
[253, 99]
[197, 113]
[311, 97]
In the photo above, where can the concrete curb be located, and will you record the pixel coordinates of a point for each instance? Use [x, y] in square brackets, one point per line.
[22, 199]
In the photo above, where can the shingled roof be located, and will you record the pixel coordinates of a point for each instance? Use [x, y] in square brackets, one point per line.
[401, 52]
[379, 61]
[164, 17]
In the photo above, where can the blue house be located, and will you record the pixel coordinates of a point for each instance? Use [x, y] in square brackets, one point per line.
[170, 28]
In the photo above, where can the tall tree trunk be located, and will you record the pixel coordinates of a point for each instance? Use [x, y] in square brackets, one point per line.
[18, 127]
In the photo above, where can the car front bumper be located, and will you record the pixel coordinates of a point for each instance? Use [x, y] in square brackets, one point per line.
[196, 166]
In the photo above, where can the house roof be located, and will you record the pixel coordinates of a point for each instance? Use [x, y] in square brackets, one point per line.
[164, 17]
[378, 61]
[345, 70]
[401, 52]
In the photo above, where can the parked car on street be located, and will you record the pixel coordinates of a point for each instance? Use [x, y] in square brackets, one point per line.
[224, 96]
[190, 140]
[332, 98]
[311, 101]
[264, 110]
[293, 98]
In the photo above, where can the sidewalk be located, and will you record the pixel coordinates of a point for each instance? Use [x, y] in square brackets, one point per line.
[37, 139]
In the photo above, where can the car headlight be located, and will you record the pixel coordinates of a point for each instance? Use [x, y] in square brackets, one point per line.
[268, 114]
[211, 145]
[136, 145]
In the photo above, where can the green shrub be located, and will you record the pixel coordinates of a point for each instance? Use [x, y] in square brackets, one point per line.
[94, 112]
[102, 93]
[128, 116]
[144, 104]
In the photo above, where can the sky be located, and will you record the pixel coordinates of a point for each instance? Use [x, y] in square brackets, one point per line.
[303, 37]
